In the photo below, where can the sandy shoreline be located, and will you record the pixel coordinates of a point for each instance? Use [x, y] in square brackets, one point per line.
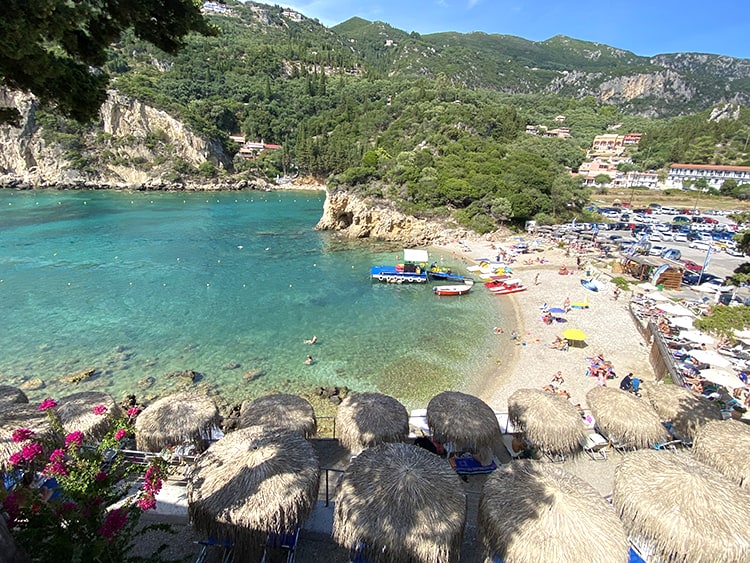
[529, 361]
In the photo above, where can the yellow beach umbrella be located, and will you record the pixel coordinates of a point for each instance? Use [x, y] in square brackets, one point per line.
[574, 334]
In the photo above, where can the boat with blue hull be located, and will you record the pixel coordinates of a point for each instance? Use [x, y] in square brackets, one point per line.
[413, 270]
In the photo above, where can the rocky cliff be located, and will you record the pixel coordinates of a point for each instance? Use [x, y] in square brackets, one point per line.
[357, 217]
[133, 145]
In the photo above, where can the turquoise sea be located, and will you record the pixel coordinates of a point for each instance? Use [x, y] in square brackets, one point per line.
[138, 285]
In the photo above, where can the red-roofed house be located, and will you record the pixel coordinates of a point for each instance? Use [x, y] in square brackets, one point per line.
[681, 175]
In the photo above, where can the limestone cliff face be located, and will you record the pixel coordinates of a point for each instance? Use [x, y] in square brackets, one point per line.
[356, 217]
[133, 144]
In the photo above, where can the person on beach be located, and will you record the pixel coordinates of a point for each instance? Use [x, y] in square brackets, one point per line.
[616, 293]
[498, 330]
[309, 360]
[558, 378]
[566, 304]
[313, 340]
[536, 279]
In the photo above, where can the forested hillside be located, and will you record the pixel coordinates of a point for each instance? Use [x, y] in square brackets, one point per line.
[437, 122]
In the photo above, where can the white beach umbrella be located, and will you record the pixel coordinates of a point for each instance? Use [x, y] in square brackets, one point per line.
[675, 309]
[697, 336]
[657, 297]
[742, 334]
[646, 286]
[722, 377]
[710, 357]
[681, 322]
[706, 288]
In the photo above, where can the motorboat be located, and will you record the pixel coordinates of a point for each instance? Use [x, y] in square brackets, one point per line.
[454, 289]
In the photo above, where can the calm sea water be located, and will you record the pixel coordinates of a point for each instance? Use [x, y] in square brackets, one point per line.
[138, 285]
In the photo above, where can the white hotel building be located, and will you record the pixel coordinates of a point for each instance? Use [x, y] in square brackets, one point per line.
[681, 175]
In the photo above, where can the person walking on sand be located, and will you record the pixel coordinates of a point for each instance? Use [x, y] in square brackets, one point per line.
[536, 279]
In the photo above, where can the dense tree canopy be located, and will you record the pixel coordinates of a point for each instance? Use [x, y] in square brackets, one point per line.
[56, 48]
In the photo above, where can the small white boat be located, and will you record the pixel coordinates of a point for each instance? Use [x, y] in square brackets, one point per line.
[457, 289]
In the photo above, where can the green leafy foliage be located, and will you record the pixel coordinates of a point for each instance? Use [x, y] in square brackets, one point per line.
[724, 320]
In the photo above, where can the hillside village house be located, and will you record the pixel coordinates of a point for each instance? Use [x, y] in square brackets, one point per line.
[614, 144]
[683, 175]
[251, 149]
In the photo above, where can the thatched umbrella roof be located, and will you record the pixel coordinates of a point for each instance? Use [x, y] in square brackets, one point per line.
[725, 445]
[465, 421]
[251, 482]
[10, 395]
[364, 420]
[13, 417]
[282, 411]
[403, 503]
[176, 419]
[76, 412]
[683, 509]
[686, 409]
[550, 421]
[530, 512]
[625, 418]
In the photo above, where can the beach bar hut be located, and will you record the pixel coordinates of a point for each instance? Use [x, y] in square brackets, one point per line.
[725, 445]
[251, 483]
[685, 409]
[10, 395]
[282, 411]
[531, 512]
[364, 420]
[399, 503]
[549, 421]
[464, 422]
[13, 417]
[627, 420]
[678, 509]
[177, 419]
[76, 412]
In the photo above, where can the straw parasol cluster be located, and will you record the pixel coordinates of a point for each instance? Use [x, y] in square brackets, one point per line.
[724, 445]
[399, 503]
[76, 412]
[625, 418]
[282, 411]
[176, 419]
[686, 409]
[681, 509]
[464, 421]
[252, 482]
[530, 512]
[10, 395]
[13, 417]
[549, 421]
[364, 420]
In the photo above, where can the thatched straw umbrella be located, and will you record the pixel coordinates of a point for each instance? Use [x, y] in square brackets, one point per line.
[282, 411]
[530, 512]
[176, 419]
[725, 445]
[681, 508]
[76, 412]
[10, 395]
[464, 421]
[364, 420]
[252, 482]
[687, 410]
[549, 421]
[400, 503]
[13, 417]
[626, 419]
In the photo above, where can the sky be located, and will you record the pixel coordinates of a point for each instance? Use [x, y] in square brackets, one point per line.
[645, 27]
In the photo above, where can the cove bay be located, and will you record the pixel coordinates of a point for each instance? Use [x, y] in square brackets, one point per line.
[141, 285]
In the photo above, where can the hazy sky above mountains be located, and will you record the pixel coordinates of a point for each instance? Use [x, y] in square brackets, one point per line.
[645, 27]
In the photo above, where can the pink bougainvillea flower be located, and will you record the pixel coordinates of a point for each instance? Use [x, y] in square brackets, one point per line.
[30, 451]
[100, 409]
[22, 434]
[48, 403]
[113, 523]
[134, 411]
[120, 434]
[15, 459]
[74, 438]
[146, 503]
[101, 476]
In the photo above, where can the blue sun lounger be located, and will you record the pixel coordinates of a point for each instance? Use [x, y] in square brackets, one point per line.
[470, 466]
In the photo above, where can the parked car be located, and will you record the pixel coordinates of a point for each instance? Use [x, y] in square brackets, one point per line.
[656, 249]
[700, 244]
[691, 266]
[694, 278]
[671, 254]
[680, 237]
[735, 252]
